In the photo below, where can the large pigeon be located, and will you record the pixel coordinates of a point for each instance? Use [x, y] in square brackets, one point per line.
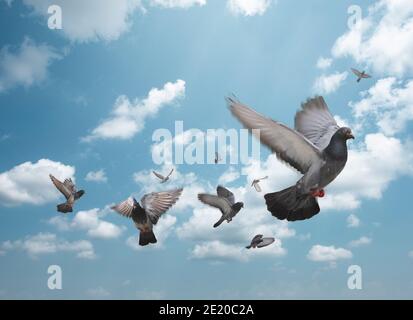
[68, 189]
[317, 148]
[153, 206]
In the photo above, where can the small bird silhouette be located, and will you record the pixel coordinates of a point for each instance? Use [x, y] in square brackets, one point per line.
[161, 177]
[68, 189]
[224, 201]
[259, 242]
[360, 75]
[256, 185]
[217, 158]
[146, 215]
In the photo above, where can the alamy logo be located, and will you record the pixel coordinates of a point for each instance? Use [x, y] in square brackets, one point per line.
[355, 280]
[355, 17]
[55, 19]
[54, 282]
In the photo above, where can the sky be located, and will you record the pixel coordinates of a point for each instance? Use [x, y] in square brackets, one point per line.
[85, 101]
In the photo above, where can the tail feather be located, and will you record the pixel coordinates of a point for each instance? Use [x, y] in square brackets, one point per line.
[64, 207]
[218, 223]
[146, 238]
[287, 204]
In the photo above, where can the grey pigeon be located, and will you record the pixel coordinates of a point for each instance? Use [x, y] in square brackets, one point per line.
[360, 74]
[255, 183]
[224, 201]
[153, 206]
[259, 241]
[317, 148]
[161, 177]
[68, 189]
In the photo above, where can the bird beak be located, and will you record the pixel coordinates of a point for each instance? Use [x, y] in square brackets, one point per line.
[350, 135]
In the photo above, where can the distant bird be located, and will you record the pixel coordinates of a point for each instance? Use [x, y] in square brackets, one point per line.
[256, 185]
[217, 158]
[68, 189]
[146, 215]
[224, 201]
[161, 177]
[317, 148]
[259, 242]
[360, 75]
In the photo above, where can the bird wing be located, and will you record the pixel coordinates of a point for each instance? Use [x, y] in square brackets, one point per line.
[158, 175]
[126, 207]
[356, 72]
[216, 202]
[289, 145]
[157, 203]
[225, 193]
[61, 187]
[365, 76]
[170, 173]
[263, 178]
[257, 237]
[315, 122]
[70, 185]
[257, 187]
[265, 242]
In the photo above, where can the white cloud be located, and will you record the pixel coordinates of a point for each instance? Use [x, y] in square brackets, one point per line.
[324, 63]
[26, 66]
[326, 84]
[328, 253]
[229, 176]
[185, 4]
[353, 221]
[360, 242]
[128, 118]
[98, 293]
[248, 7]
[48, 243]
[91, 221]
[382, 40]
[96, 176]
[29, 183]
[85, 21]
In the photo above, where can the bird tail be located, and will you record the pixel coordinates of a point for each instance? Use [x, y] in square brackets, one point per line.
[288, 204]
[218, 223]
[64, 207]
[358, 80]
[146, 238]
[248, 247]
[79, 194]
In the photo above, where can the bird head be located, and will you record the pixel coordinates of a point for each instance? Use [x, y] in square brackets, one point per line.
[345, 133]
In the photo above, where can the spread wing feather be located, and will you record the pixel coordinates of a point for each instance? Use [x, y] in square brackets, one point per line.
[126, 207]
[225, 193]
[216, 201]
[61, 187]
[157, 203]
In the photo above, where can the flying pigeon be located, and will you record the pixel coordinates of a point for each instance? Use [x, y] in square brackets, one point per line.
[224, 201]
[153, 205]
[360, 75]
[68, 189]
[316, 148]
[255, 183]
[217, 158]
[259, 242]
[161, 177]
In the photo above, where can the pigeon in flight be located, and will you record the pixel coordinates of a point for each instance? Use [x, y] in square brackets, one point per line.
[146, 214]
[224, 201]
[259, 242]
[68, 189]
[316, 148]
[360, 75]
[256, 185]
[161, 177]
[217, 158]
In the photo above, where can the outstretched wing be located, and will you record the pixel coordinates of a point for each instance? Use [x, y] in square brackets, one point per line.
[265, 242]
[170, 173]
[61, 187]
[356, 72]
[257, 187]
[225, 193]
[256, 238]
[157, 203]
[70, 185]
[126, 207]
[158, 175]
[289, 145]
[365, 76]
[315, 122]
[216, 202]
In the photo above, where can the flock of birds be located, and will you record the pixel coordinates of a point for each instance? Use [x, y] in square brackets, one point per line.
[316, 147]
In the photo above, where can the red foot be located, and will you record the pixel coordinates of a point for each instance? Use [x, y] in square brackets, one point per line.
[318, 193]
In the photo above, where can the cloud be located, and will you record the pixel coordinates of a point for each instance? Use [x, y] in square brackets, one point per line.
[324, 63]
[90, 221]
[382, 40]
[248, 7]
[360, 242]
[353, 221]
[185, 4]
[128, 118]
[229, 176]
[26, 66]
[48, 243]
[29, 183]
[85, 21]
[96, 176]
[326, 84]
[321, 253]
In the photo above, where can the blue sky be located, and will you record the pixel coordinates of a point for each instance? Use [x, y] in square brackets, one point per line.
[165, 61]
